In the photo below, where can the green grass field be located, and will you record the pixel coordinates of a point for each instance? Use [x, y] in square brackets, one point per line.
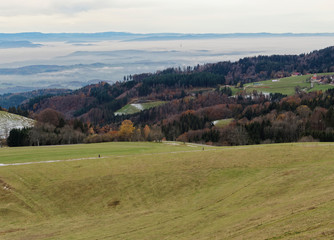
[223, 122]
[235, 90]
[160, 191]
[47, 153]
[135, 108]
[286, 85]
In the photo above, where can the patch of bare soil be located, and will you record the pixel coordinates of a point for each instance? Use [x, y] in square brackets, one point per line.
[114, 203]
[5, 185]
[11, 231]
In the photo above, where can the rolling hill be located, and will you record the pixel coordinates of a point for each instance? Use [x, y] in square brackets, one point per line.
[102, 99]
[15, 99]
[168, 191]
[196, 97]
[9, 121]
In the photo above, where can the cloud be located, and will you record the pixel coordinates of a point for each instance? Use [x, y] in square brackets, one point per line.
[42, 7]
[166, 16]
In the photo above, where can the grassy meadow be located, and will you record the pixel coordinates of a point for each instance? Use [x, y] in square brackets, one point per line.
[135, 108]
[167, 191]
[65, 152]
[287, 85]
[223, 122]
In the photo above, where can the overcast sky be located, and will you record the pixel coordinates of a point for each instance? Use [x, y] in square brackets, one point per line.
[183, 16]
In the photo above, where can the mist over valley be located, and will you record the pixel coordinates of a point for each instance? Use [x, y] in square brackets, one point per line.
[73, 62]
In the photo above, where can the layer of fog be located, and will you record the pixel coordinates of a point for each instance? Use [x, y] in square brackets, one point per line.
[124, 58]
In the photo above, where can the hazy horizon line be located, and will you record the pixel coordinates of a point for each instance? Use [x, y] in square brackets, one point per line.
[183, 33]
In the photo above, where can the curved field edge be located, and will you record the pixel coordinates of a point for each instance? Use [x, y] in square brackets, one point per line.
[282, 191]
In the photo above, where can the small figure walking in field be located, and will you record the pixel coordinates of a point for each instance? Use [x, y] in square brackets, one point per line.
[203, 148]
[99, 156]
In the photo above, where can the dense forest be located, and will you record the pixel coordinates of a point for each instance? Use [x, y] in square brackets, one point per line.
[194, 100]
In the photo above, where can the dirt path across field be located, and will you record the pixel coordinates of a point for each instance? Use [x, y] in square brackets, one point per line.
[203, 148]
[114, 156]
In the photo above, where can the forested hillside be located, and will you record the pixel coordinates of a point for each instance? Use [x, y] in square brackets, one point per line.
[276, 66]
[97, 103]
[195, 98]
[15, 99]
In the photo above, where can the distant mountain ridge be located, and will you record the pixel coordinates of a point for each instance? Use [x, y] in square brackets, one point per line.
[19, 44]
[34, 69]
[126, 36]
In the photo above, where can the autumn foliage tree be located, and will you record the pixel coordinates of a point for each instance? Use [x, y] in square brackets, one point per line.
[51, 116]
[126, 130]
[146, 132]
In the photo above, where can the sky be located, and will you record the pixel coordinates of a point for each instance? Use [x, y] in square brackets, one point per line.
[153, 16]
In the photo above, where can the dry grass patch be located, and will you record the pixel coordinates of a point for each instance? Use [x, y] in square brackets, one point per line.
[281, 191]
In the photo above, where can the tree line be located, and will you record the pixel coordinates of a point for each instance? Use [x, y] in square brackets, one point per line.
[261, 119]
[51, 128]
